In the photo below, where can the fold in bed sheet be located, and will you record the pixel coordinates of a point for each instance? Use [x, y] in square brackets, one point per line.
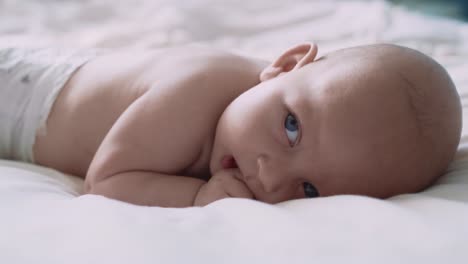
[44, 220]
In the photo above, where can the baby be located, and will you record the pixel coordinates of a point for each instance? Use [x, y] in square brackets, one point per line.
[188, 126]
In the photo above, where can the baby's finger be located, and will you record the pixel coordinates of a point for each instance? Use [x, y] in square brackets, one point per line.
[215, 197]
[233, 172]
[207, 194]
[236, 188]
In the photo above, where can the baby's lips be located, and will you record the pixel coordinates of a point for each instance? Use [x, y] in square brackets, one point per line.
[228, 162]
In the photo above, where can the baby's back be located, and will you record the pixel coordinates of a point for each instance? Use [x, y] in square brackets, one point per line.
[99, 92]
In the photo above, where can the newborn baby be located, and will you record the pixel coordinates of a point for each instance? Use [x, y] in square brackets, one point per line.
[188, 126]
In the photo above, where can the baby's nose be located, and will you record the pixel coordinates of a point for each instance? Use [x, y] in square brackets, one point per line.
[270, 174]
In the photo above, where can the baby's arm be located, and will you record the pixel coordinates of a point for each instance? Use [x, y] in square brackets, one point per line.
[155, 139]
[140, 156]
[149, 188]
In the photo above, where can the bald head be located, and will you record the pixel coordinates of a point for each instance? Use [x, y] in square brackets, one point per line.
[413, 106]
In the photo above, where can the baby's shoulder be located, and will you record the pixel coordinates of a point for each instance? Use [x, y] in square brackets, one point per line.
[207, 78]
[210, 62]
[215, 72]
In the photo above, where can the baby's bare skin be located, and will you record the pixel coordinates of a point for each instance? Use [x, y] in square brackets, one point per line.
[190, 126]
[163, 108]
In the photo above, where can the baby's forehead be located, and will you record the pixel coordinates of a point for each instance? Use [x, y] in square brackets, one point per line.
[383, 71]
[344, 76]
[354, 93]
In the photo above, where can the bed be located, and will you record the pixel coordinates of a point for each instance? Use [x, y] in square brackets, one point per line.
[43, 218]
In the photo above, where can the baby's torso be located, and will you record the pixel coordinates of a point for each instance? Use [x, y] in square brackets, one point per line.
[98, 93]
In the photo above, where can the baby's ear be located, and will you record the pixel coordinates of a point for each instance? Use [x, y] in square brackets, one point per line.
[292, 59]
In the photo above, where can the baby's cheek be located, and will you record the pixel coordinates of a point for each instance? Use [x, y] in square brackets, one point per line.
[286, 194]
[296, 192]
[299, 193]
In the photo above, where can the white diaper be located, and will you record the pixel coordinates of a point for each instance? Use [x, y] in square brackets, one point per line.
[30, 80]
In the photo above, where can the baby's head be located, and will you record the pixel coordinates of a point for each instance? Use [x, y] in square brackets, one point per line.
[376, 120]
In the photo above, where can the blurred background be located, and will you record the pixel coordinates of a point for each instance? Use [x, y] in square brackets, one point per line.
[457, 9]
[259, 27]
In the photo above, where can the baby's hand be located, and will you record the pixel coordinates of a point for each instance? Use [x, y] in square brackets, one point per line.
[223, 184]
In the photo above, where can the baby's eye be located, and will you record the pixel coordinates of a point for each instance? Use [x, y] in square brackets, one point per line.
[292, 129]
[309, 190]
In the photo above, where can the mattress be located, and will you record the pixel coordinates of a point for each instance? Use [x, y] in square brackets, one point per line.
[44, 219]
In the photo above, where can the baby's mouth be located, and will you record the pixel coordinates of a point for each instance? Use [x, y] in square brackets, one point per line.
[228, 162]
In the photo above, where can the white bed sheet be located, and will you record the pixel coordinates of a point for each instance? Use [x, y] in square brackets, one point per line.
[44, 220]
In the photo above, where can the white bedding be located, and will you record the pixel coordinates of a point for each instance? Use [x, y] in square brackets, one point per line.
[44, 220]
